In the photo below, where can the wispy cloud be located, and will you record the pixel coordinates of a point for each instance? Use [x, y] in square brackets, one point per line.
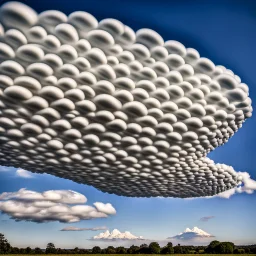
[206, 218]
[71, 228]
[24, 174]
[54, 205]
[5, 168]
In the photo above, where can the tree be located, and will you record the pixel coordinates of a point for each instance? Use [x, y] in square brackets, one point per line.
[133, 249]
[28, 250]
[169, 244]
[4, 244]
[38, 250]
[239, 251]
[178, 249]
[225, 248]
[76, 250]
[50, 248]
[96, 250]
[14, 250]
[168, 249]
[247, 250]
[212, 247]
[154, 248]
[144, 249]
[120, 250]
[60, 251]
[111, 250]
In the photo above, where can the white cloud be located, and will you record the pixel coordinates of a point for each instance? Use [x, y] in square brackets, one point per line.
[116, 235]
[54, 205]
[109, 133]
[24, 174]
[71, 228]
[106, 208]
[247, 185]
[190, 234]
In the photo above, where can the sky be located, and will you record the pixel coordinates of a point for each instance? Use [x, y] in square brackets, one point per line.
[223, 31]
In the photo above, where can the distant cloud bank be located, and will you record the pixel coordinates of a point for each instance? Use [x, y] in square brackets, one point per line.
[71, 228]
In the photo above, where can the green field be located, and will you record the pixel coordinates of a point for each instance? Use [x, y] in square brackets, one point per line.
[131, 254]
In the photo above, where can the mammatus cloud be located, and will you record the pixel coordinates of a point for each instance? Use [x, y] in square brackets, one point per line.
[126, 112]
[190, 234]
[206, 218]
[54, 205]
[71, 228]
[24, 174]
[116, 235]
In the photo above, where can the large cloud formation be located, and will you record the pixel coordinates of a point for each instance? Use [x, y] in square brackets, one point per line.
[53, 205]
[126, 112]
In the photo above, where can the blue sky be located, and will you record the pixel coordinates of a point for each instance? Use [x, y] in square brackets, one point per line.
[223, 31]
[152, 218]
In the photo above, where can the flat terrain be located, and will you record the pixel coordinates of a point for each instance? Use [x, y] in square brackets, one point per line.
[131, 254]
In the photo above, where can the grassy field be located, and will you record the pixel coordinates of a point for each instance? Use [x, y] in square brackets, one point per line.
[131, 254]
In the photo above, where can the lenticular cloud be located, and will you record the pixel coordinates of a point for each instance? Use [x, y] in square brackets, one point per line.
[125, 112]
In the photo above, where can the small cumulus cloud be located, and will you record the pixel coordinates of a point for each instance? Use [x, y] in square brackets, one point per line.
[206, 218]
[24, 174]
[71, 228]
[106, 208]
[192, 234]
[65, 206]
[116, 235]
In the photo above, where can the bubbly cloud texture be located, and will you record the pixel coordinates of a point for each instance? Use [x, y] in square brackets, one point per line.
[54, 205]
[247, 185]
[24, 174]
[124, 111]
[71, 228]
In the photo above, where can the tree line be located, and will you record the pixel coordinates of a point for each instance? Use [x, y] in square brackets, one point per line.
[215, 247]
